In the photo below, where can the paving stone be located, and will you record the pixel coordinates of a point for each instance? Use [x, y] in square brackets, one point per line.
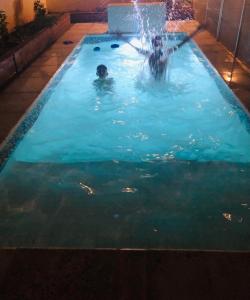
[44, 72]
[8, 121]
[26, 85]
[16, 102]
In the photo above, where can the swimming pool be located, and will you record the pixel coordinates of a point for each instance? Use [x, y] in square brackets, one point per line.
[141, 164]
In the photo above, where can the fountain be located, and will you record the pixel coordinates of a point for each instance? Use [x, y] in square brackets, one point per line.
[136, 17]
[146, 20]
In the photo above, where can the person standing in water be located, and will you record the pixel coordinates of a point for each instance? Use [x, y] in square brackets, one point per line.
[158, 59]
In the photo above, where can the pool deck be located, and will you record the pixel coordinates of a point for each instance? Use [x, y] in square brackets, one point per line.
[114, 274]
[16, 98]
[123, 275]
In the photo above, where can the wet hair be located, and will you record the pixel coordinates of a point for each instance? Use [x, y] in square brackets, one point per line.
[155, 40]
[101, 70]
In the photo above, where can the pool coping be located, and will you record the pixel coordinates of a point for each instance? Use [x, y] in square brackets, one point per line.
[121, 249]
[9, 144]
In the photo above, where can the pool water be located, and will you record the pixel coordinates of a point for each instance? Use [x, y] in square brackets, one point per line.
[134, 164]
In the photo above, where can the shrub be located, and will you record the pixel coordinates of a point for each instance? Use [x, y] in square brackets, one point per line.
[24, 32]
[39, 9]
[3, 26]
[41, 19]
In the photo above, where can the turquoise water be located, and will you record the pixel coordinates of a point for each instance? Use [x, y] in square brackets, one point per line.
[136, 164]
[185, 117]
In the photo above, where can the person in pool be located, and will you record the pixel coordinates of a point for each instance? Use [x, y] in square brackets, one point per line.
[158, 59]
[103, 82]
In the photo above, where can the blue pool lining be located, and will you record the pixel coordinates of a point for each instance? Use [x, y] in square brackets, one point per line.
[100, 38]
[26, 122]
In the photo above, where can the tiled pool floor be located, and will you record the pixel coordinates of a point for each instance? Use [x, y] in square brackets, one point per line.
[16, 98]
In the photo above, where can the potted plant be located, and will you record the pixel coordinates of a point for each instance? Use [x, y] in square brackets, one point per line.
[3, 28]
[26, 42]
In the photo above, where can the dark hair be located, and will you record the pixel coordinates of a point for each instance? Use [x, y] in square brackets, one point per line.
[156, 39]
[101, 69]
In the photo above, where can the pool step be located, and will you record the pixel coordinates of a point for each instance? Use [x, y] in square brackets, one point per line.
[110, 204]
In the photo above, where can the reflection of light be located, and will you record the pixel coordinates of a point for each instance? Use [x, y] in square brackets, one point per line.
[227, 76]
[149, 175]
[126, 48]
[129, 190]
[27, 207]
[135, 42]
[87, 189]
[227, 216]
[118, 122]
[141, 136]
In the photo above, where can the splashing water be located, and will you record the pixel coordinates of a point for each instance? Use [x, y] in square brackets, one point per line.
[174, 27]
[147, 31]
[140, 22]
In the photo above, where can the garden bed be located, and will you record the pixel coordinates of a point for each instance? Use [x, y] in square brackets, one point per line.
[88, 17]
[16, 57]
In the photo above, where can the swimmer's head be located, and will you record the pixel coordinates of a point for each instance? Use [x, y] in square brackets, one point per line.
[157, 42]
[102, 71]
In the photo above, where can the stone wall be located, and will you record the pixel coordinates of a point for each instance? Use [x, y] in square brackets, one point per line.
[18, 11]
[208, 11]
